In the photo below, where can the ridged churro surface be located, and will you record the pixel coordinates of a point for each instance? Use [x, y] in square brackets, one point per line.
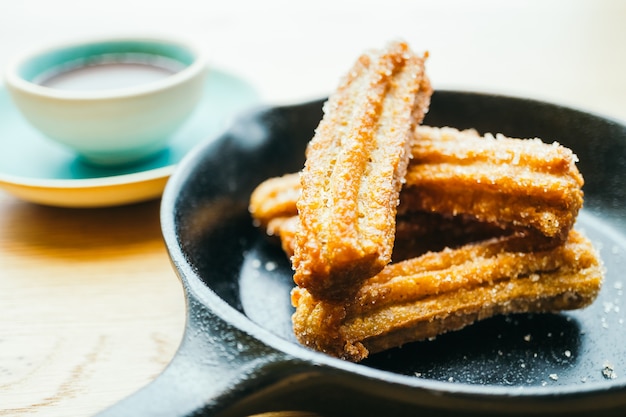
[443, 291]
[519, 182]
[275, 197]
[355, 165]
[400, 232]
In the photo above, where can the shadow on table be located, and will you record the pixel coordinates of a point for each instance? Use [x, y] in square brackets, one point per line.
[68, 231]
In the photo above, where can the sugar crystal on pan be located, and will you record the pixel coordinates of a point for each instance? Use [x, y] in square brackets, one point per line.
[608, 371]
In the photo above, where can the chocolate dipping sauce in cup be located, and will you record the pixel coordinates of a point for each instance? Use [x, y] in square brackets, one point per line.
[113, 101]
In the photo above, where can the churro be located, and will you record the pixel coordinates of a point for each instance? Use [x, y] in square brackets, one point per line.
[275, 197]
[515, 182]
[416, 233]
[355, 164]
[399, 232]
[448, 290]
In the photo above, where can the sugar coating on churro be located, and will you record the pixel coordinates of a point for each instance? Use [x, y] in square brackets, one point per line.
[475, 225]
[355, 165]
[521, 182]
[443, 291]
[275, 197]
[495, 179]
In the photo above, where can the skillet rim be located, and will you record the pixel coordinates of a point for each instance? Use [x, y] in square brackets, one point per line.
[195, 287]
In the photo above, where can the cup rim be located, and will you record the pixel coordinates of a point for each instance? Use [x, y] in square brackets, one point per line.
[197, 64]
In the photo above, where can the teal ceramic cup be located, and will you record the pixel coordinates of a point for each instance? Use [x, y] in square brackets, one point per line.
[113, 101]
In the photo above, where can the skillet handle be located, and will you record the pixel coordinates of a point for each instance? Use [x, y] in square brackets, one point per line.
[216, 365]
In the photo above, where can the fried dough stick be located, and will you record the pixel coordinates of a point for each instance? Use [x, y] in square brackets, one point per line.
[444, 291]
[496, 179]
[516, 183]
[354, 168]
[275, 197]
[418, 233]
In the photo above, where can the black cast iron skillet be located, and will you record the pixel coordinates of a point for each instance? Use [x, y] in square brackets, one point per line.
[239, 356]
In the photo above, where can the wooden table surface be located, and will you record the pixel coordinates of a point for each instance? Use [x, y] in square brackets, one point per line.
[90, 308]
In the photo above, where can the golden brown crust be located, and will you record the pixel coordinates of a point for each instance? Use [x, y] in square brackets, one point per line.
[513, 183]
[275, 197]
[517, 182]
[355, 165]
[483, 224]
[417, 233]
[444, 291]
[285, 228]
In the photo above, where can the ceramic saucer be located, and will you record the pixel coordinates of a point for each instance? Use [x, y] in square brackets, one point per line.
[38, 170]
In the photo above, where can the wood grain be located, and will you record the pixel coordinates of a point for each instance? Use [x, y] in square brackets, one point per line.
[90, 307]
